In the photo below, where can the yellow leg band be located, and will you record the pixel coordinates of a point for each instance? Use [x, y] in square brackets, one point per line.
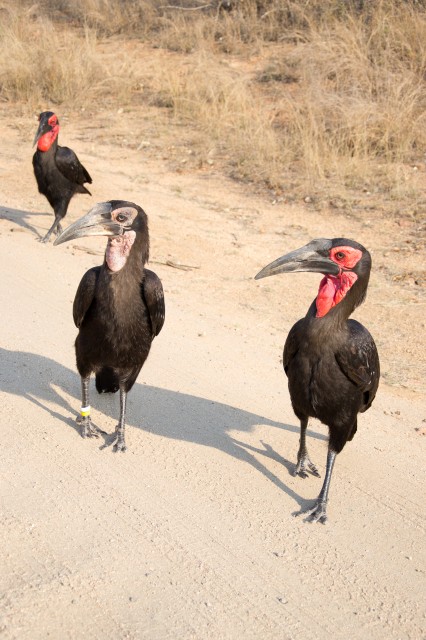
[85, 411]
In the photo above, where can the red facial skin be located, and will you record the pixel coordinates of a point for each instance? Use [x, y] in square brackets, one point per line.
[45, 141]
[333, 289]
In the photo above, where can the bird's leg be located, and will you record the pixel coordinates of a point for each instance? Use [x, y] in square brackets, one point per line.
[88, 430]
[120, 444]
[56, 226]
[303, 461]
[318, 513]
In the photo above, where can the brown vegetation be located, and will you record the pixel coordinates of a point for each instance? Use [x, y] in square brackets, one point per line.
[282, 92]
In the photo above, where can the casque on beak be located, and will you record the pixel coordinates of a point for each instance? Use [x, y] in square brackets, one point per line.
[311, 257]
[97, 222]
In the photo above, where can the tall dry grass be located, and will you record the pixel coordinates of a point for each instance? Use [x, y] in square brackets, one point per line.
[354, 113]
[235, 121]
[362, 95]
[106, 17]
[344, 102]
[42, 63]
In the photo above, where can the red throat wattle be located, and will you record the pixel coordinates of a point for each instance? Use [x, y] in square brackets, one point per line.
[45, 141]
[332, 290]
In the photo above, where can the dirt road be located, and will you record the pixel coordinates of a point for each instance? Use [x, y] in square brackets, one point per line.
[190, 534]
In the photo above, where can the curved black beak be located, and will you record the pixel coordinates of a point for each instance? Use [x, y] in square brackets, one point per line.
[43, 128]
[311, 257]
[97, 222]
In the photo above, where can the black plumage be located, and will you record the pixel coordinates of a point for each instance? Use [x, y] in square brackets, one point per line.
[118, 308]
[58, 171]
[331, 361]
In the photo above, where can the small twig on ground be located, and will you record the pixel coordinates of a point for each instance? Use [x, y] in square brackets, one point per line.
[176, 265]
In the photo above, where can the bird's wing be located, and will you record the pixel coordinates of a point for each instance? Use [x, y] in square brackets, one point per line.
[85, 294]
[291, 344]
[70, 166]
[359, 361]
[153, 296]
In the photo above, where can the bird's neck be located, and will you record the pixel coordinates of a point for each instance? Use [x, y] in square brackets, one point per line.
[332, 290]
[338, 297]
[126, 254]
[118, 250]
[49, 139]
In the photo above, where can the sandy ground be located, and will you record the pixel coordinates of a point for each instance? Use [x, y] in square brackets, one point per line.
[190, 534]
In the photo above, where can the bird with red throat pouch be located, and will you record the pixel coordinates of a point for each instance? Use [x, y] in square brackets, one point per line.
[58, 171]
[331, 361]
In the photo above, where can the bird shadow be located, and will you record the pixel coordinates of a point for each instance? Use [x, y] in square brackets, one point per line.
[163, 412]
[21, 218]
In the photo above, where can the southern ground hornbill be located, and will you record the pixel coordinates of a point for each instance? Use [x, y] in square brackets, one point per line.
[118, 307]
[58, 171]
[331, 362]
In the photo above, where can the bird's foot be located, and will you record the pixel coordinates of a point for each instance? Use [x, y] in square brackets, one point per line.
[88, 430]
[304, 465]
[116, 440]
[318, 513]
[45, 240]
[120, 445]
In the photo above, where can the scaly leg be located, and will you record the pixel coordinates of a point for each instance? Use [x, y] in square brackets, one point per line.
[56, 226]
[318, 513]
[303, 461]
[120, 444]
[88, 430]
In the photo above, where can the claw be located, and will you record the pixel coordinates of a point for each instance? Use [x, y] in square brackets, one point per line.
[88, 430]
[120, 446]
[117, 442]
[304, 464]
[318, 513]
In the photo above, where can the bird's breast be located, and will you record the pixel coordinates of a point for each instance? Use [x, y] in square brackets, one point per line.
[316, 382]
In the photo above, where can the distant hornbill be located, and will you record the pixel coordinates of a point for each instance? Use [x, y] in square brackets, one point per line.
[58, 171]
[118, 307]
[331, 362]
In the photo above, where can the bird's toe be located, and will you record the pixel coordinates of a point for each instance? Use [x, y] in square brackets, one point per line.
[114, 441]
[318, 513]
[88, 430]
[300, 471]
[303, 466]
[314, 470]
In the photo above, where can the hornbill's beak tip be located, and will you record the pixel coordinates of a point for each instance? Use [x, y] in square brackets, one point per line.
[312, 257]
[97, 222]
[43, 127]
[37, 136]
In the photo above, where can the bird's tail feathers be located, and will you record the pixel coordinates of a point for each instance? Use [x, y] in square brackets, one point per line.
[352, 431]
[82, 189]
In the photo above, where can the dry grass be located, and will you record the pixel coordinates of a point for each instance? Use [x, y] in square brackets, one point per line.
[106, 17]
[336, 92]
[236, 123]
[362, 97]
[42, 63]
[346, 104]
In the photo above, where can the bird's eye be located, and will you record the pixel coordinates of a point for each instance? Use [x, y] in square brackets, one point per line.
[121, 217]
[340, 255]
